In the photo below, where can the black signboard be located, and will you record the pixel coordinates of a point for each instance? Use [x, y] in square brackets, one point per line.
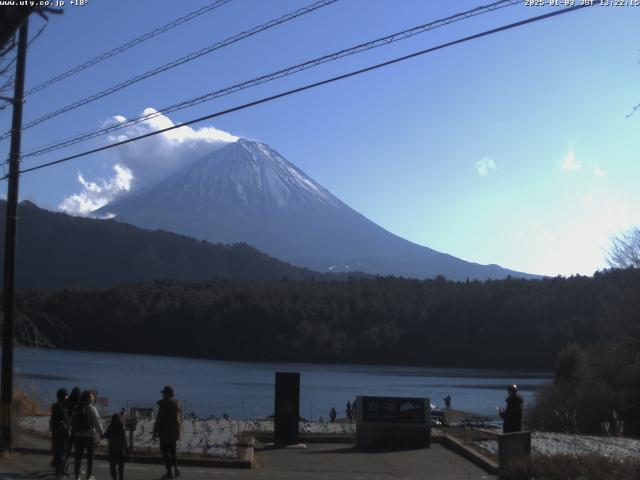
[287, 407]
[130, 423]
[138, 412]
[394, 410]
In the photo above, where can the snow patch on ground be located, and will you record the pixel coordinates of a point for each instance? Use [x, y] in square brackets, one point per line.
[209, 437]
[546, 443]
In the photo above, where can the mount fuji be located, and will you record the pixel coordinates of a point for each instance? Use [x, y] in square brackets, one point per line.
[247, 192]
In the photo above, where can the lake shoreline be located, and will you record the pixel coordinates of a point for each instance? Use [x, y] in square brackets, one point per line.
[521, 372]
[208, 387]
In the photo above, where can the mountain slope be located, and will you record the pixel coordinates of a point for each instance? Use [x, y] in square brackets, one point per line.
[247, 192]
[56, 250]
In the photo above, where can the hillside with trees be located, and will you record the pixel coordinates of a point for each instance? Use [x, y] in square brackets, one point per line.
[56, 250]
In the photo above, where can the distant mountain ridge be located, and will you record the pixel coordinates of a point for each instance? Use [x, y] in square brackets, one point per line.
[55, 250]
[247, 192]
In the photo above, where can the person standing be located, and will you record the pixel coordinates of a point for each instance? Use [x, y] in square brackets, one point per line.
[167, 429]
[447, 402]
[117, 446]
[332, 414]
[85, 426]
[70, 404]
[512, 415]
[349, 412]
[59, 428]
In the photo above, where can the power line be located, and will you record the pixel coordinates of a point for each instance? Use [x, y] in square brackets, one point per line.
[128, 45]
[312, 85]
[276, 75]
[187, 58]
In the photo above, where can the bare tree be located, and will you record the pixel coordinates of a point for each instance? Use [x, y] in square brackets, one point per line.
[31, 327]
[624, 251]
[7, 62]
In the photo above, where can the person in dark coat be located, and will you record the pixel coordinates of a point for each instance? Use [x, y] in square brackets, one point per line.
[117, 446]
[167, 428]
[333, 414]
[70, 404]
[59, 428]
[512, 415]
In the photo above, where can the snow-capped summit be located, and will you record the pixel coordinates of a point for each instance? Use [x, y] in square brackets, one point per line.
[251, 174]
[247, 192]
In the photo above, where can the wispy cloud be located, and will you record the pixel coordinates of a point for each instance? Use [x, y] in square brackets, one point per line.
[145, 162]
[484, 166]
[97, 194]
[597, 171]
[570, 163]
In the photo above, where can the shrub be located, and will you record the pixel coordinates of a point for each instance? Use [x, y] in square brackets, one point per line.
[567, 467]
[25, 404]
[593, 391]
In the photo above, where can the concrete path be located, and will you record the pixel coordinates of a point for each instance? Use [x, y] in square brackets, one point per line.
[317, 462]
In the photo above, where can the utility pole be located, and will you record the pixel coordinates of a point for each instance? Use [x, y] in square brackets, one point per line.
[8, 293]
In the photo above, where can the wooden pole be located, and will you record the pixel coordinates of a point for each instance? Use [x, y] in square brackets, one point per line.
[8, 293]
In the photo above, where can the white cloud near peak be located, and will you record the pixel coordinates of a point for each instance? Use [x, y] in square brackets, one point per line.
[144, 162]
[97, 194]
[483, 166]
[155, 158]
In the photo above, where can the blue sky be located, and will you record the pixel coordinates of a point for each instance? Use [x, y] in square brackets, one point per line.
[513, 149]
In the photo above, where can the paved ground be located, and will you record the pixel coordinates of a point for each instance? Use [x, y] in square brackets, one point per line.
[318, 461]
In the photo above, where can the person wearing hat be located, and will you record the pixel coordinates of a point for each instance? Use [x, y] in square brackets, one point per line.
[167, 429]
[512, 415]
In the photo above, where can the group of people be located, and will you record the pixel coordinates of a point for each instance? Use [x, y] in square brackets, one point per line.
[333, 414]
[76, 425]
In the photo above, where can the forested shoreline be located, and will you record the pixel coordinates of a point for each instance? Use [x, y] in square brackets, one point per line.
[511, 323]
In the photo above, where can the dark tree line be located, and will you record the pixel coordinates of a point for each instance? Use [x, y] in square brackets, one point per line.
[502, 323]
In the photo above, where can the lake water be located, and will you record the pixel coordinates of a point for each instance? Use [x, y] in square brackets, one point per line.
[214, 387]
